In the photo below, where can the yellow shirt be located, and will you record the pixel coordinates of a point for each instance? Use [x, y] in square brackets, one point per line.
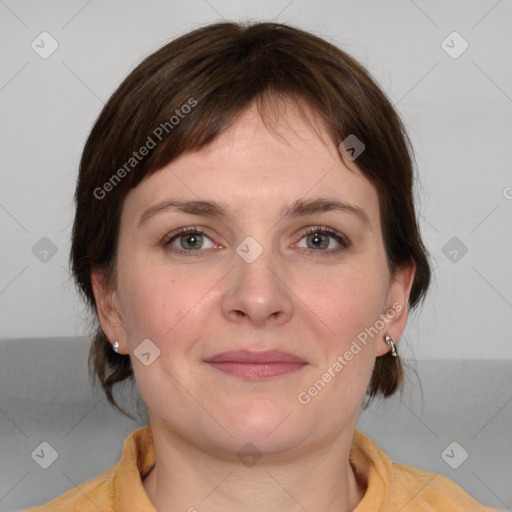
[390, 486]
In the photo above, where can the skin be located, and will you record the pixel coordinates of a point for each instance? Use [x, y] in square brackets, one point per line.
[312, 304]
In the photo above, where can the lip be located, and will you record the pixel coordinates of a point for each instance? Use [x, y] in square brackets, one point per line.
[256, 365]
[248, 356]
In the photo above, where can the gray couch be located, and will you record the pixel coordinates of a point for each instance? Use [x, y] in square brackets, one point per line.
[459, 425]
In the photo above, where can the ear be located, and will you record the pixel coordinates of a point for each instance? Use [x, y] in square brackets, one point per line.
[107, 307]
[398, 305]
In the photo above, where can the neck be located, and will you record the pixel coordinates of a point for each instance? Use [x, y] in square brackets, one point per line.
[185, 478]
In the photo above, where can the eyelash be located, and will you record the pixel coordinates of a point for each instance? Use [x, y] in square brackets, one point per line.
[340, 238]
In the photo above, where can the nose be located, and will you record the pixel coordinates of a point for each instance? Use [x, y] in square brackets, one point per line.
[257, 293]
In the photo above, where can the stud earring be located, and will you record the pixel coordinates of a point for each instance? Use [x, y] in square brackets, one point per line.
[390, 343]
[116, 347]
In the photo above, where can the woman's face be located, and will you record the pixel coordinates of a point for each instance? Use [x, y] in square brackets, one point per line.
[269, 271]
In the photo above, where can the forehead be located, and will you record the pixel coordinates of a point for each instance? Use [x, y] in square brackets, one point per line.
[276, 135]
[261, 164]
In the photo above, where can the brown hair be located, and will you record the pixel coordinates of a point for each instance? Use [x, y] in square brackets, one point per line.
[218, 71]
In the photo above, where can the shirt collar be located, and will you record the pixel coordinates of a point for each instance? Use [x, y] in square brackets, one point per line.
[136, 461]
[371, 465]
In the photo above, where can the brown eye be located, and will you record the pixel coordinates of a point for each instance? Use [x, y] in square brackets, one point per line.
[188, 241]
[323, 241]
[191, 241]
[318, 241]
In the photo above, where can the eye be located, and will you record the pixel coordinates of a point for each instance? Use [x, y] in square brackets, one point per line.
[319, 240]
[323, 241]
[188, 241]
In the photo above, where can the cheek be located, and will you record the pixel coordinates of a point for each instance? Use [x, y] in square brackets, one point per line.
[149, 303]
[348, 303]
[161, 305]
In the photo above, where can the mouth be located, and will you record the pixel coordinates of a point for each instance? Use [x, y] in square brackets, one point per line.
[256, 365]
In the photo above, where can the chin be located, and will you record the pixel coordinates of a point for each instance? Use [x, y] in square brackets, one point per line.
[269, 426]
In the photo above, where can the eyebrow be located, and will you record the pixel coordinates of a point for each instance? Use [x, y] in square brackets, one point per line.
[301, 207]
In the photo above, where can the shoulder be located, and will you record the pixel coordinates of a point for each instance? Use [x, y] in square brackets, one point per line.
[392, 486]
[96, 494]
[119, 488]
[424, 491]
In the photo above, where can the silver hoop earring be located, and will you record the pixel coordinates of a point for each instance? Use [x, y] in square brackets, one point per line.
[116, 347]
[390, 343]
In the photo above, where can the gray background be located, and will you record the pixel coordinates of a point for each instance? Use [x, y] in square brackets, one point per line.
[458, 115]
